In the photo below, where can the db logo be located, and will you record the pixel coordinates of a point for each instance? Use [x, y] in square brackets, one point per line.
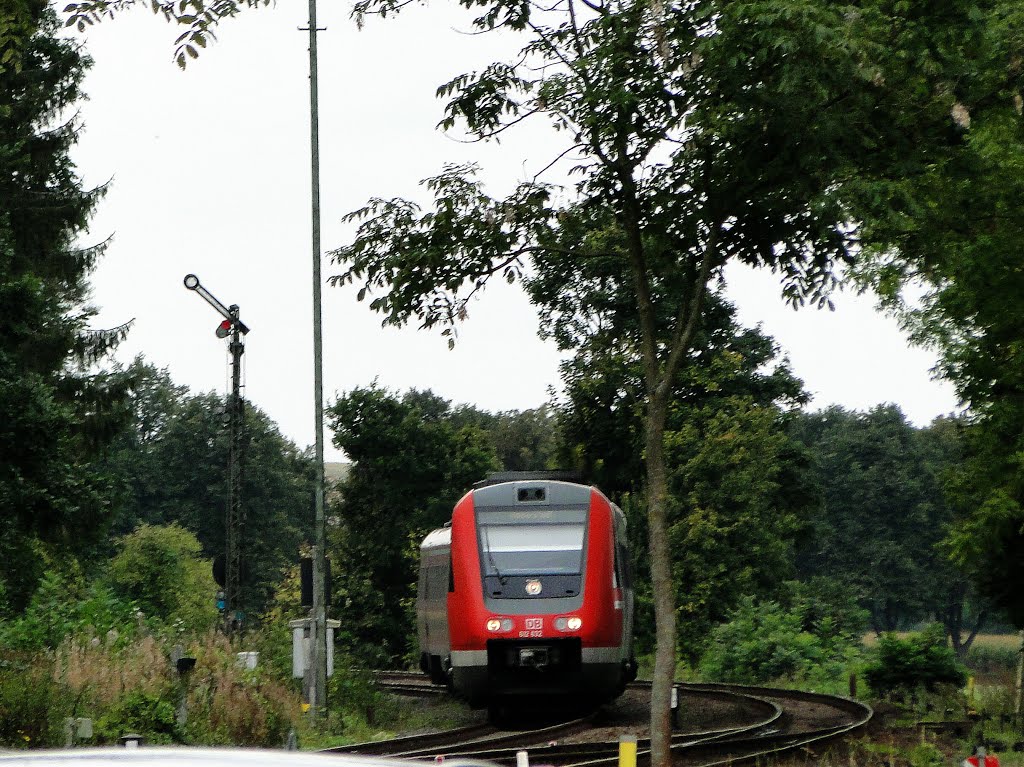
[534, 624]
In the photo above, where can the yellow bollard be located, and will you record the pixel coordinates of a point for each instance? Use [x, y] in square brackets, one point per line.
[627, 751]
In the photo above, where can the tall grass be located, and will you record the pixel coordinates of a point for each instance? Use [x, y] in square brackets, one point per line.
[136, 688]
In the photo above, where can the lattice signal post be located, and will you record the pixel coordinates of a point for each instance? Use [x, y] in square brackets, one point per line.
[234, 521]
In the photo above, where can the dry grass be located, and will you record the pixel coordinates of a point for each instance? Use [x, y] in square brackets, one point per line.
[227, 705]
[230, 705]
[100, 675]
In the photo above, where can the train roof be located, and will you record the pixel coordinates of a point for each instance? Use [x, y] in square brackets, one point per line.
[501, 477]
[440, 537]
[532, 493]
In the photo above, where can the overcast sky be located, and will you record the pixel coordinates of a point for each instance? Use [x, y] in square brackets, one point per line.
[209, 173]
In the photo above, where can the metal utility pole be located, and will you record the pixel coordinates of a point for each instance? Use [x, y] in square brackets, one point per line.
[235, 516]
[318, 651]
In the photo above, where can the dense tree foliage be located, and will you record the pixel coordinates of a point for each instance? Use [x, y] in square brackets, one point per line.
[161, 571]
[884, 516]
[171, 468]
[601, 418]
[699, 133]
[738, 486]
[54, 418]
[413, 458]
[956, 233]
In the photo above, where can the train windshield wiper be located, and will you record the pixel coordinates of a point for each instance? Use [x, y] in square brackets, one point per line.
[490, 557]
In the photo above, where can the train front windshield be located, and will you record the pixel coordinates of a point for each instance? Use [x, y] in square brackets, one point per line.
[525, 548]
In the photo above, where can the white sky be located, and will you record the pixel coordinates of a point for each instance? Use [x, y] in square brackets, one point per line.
[210, 171]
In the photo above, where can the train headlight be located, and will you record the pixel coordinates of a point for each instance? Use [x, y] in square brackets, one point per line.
[499, 624]
[574, 624]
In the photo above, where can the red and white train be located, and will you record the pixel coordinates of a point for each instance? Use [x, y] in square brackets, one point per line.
[528, 591]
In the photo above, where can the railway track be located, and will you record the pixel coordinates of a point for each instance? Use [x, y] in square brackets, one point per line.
[738, 724]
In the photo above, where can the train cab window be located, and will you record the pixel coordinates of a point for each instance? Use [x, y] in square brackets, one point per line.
[532, 549]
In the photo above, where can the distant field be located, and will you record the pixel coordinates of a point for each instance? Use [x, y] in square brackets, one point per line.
[992, 659]
[994, 641]
[1007, 641]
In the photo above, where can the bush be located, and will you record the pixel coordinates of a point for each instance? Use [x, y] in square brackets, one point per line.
[353, 695]
[61, 608]
[762, 641]
[31, 705]
[919, 660]
[48, 618]
[143, 713]
[161, 570]
[829, 608]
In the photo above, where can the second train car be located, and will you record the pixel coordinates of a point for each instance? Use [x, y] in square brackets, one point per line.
[528, 592]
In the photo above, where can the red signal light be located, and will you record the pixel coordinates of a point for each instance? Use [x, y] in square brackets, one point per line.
[224, 329]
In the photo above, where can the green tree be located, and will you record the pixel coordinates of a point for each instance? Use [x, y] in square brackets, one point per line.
[737, 483]
[956, 233]
[171, 468]
[162, 571]
[956, 602]
[525, 440]
[412, 460]
[875, 528]
[601, 418]
[54, 417]
[699, 133]
[884, 515]
[738, 496]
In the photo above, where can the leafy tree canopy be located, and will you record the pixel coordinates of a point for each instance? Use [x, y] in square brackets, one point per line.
[54, 417]
[171, 468]
[884, 514]
[413, 458]
[698, 133]
[162, 571]
[945, 258]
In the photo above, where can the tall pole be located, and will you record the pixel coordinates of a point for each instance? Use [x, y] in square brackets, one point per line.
[318, 655]
[235, 516]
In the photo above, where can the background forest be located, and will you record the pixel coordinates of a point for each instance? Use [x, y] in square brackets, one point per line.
[791, 533]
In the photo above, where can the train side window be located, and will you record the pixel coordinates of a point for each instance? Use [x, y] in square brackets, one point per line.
[627, 566]
[616, 570]
[451, 575]
[438, 582]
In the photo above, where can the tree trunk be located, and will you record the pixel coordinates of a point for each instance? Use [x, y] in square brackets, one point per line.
[953, 618]
[966, 645]
[662, 586]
